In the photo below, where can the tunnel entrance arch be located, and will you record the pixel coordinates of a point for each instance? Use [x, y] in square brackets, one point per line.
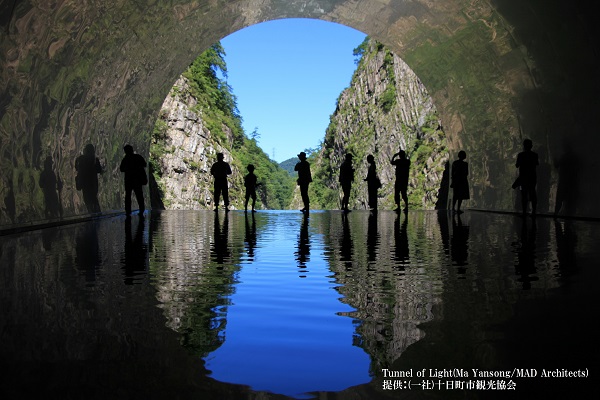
[304, 83]
[75, 74]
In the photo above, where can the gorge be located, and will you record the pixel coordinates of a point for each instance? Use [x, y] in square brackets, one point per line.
[385, 108]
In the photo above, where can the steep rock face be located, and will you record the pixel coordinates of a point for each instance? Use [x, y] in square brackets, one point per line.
[385, 109]
[183, 151]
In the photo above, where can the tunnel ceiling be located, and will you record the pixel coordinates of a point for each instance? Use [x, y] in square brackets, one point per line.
[75, 73]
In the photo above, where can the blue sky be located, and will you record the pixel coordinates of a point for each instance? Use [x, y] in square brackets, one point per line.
[287, 75]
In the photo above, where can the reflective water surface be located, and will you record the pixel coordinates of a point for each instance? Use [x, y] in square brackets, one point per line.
[197, 304]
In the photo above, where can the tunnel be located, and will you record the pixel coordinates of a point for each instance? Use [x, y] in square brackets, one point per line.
[76, 75]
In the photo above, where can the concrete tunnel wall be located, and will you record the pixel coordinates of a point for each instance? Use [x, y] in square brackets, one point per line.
[78, 73]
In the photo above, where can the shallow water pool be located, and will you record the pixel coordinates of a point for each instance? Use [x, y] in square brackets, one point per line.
[188, 304]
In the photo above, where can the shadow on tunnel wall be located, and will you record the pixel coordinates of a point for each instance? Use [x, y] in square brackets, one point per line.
[562, 47]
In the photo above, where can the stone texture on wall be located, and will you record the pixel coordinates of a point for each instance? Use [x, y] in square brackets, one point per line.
[78, 73]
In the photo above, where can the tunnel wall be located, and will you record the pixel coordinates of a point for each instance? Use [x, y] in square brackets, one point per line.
[80, 73]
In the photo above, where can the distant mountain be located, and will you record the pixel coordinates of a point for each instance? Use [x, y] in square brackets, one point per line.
[289, 165]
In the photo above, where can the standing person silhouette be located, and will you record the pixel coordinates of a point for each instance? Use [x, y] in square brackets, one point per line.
[527, 162]
[402, 165]
[135, 177]
[346, 178]
[220, 170]
[304, 178]
[460, 183]
[373, 182]
[88, 167]
[250, 184]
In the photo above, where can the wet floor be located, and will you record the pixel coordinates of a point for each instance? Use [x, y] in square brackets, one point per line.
[197, 304]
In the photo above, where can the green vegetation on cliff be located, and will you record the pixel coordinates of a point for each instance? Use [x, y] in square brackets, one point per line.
[386, 108]
[210, 106]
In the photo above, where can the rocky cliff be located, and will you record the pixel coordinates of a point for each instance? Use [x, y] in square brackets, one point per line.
[183, 150]
[186, 138]
[385, 109]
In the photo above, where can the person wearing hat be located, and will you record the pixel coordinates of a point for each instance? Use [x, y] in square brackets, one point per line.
[220, 170]
[304, 178]
[346, 178]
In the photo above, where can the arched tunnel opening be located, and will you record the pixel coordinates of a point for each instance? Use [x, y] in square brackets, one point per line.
[490, 69]
[377, 106]
[126, 305]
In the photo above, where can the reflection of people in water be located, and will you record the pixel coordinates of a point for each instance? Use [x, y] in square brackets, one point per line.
[568, 181]
[346, 178]
[88, 167]
[220, 249]
[135, 255]
[250, 237]
[87, 251]
[400, 243]
[459, 244]
[525, 264]
[346, 244]
[566, 243]
[51, 186]
[372, 238]
[303, 252]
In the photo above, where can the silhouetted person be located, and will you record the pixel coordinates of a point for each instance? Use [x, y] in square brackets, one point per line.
[135, 177]
[220, 170]
[460, 182]
[373, 182]
[51, 186]
[88, 167]
[250, 184]
[135, 255]
[346, 179]
[527, 162]
[304, 178]
[303, 253]
[402, 165]
[568, 181]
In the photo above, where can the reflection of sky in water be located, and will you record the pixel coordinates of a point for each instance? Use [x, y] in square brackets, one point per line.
[289, 307]
[282, 333]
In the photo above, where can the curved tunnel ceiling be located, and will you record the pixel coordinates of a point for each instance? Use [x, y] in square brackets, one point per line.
[499, 71]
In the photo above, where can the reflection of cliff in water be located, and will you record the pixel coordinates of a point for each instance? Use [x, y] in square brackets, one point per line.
[194, 263]
[388, 270]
